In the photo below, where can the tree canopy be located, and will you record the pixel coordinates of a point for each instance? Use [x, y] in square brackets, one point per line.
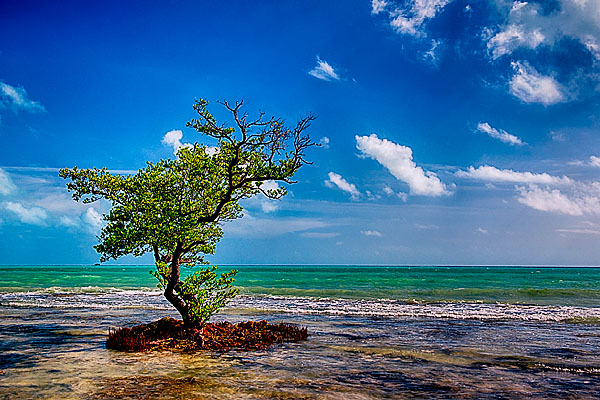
[175, 209]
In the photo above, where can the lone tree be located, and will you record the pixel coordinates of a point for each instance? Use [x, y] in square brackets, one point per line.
[174, 209]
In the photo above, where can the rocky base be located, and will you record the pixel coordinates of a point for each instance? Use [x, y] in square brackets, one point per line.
[170, 334]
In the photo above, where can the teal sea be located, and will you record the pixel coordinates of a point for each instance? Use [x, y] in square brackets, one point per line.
[375, 331]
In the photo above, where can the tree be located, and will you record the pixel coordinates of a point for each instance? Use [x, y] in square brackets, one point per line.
[174, 209]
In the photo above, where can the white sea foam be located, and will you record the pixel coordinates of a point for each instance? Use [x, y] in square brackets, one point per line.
[114, 298]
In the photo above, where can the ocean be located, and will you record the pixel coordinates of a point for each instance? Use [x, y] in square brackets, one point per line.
[374, 332]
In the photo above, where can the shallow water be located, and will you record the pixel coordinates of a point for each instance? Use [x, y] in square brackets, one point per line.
[52, 346]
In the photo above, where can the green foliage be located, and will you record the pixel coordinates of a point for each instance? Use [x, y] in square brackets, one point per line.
[174, 208]
[205, 293]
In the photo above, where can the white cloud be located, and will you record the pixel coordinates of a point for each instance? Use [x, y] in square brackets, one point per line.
[324, 71]
[582, 199]
[377, 6]
[68, 221]
[512, 37]
[336, 180]
[493, 174]
[268, 206]
[481, 230]
[173, 139]
[501, 134]
[31, 215]
[557, 136]
[7, 186]
[431, 54]
[527, 26]
[593, 161]
[427, 227]
[398, 160]
[269, 185]
[531, 87]
[372, 233]
[390, 192]
[264, 227]
[579, 231]
[92, 218]
[548, 200]
[324, 142]
[410, 19]
[319, 235]
[18, 99]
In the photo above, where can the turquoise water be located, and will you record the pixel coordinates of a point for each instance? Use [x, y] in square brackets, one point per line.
[518, 285]
[374, 332]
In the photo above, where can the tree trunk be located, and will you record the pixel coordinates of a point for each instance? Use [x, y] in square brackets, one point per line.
[170, 293]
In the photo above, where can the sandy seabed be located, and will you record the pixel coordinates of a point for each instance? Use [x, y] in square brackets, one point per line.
[60, 353]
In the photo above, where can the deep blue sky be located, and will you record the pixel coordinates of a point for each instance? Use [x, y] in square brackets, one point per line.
[454, 132]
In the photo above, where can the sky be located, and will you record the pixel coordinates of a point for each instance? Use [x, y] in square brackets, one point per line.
[452, 132]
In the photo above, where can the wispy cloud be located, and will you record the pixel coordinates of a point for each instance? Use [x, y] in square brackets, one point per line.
[336, 180]
[531, 87]
[372, 233]
[493, 174]
[18, 99]
[399, 162]
[409, 18]
[583, 231]
[266, 227]
[27, 215]
[378, 6]
[324, 71]
[7, 186]
[501, 134]
[319, 235]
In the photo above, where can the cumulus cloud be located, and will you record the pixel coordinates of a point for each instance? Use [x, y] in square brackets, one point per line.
[336, 180]
[529, 27]
[580, 199]
[372, 233]
[594, 161]
[18, 99]
[501, 134]
[173, 139]
[324, 142]
[493, 174]
[31, 215]
[92, 218]
[531, 87]
[390, 192]
[7, 186]
[399, 162]
[410, 19]
[324, 71]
